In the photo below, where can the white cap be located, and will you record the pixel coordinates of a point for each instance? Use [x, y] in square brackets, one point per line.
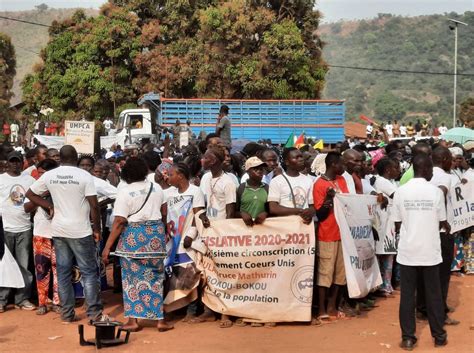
[469, 145]
[456, 151]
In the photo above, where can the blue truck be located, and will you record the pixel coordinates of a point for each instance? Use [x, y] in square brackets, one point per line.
[253, 120]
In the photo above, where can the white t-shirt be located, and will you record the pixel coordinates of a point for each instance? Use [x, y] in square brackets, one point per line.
[469, 175]
[42, 224]
[168, 192]
[12, 198]
[108, 124]
[441, 178]
[384, 223]
[234, 179]
[389, 129]
[28, 170]
[14, 128]
[302, 185]
[442, 129]
[180, 219]
[456, 176]
[69, 186]
[104, 189]
[384, 186]
[350, 182]
[419, 205]
[181, 206]
[403, 130]
[366, 187]
[218, 192]
[151, 177]
[131, 197]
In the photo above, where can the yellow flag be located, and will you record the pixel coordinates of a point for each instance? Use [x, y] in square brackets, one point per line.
[319, 145]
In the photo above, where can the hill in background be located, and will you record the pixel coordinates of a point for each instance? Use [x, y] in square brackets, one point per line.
[422, 43]
[30, 39]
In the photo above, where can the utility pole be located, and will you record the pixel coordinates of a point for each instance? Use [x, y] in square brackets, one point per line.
[454, 27]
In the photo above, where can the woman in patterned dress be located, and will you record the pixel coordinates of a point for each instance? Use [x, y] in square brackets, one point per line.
[139, 209]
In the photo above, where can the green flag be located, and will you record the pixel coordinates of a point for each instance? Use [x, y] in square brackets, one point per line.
[291, 141]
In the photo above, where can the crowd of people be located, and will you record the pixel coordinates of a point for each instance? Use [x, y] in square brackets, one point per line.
[64, 210]
[419, 129]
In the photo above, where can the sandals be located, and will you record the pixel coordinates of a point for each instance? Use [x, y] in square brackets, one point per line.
[42, 310]
[188, 318]
[225, 323]
[339, 316]
[240, 323]
[201, 319]
[325, 319]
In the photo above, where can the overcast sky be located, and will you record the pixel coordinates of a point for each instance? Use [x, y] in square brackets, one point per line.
[333, 10]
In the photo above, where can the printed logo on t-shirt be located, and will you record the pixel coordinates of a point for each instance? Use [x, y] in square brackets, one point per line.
[300, 197]
[17, 195]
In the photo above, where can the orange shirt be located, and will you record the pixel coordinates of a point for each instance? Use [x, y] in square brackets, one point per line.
[328, 230]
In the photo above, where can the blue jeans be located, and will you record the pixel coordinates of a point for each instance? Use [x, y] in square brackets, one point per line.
[20, 245]
[85, 252]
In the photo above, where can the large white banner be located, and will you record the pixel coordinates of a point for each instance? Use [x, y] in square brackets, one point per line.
[107, 141]
[462, 201]
[264, 273]
[355, 215]
[80, 134]
[50, 141]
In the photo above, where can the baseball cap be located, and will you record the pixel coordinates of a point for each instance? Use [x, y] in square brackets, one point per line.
[15, 155]
[456, 151]
[109, 154]
[469, 145]
[253, 162]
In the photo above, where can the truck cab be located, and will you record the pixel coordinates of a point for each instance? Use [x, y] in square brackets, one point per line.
[131, 126]
[133, 122]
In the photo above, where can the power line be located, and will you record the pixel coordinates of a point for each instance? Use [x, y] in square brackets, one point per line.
[399, 71]
[395, 71]
[23, 21]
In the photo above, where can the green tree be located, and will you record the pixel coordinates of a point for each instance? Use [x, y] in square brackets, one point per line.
[236, 49]
[7, 73]
[87, 66]
[389, 107]
[42, 7]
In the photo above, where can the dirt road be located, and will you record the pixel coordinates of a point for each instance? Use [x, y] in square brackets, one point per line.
[375, 331]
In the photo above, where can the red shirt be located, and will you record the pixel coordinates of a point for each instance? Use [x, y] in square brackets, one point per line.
[328, 230]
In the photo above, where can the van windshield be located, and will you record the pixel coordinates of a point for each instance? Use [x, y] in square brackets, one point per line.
[121, 122]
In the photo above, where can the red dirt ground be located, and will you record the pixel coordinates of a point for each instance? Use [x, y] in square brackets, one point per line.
[375, 331]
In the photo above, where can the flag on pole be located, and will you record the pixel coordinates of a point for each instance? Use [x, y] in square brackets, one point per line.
[300, 141]
[370, 121]
[291, 141]
[319, 145]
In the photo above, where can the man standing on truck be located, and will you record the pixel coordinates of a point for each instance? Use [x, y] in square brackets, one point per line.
[223, 126]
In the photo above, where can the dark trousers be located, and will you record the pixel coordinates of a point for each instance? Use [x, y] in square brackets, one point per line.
[429, 276]
[447, 253]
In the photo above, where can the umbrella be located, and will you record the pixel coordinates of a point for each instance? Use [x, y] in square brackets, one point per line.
[238, 145]
[459, 135]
